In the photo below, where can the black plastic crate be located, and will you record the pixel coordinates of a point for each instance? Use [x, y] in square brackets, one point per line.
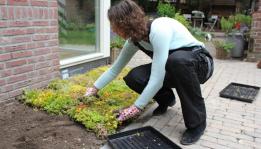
[141, 138]
[240, 92]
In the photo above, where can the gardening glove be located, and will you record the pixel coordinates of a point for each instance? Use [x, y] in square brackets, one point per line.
[128, 113]
[91, 91]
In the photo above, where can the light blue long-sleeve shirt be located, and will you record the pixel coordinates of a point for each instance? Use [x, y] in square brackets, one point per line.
[165, 34]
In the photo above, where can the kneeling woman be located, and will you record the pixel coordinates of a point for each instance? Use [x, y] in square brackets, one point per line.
[178, 61]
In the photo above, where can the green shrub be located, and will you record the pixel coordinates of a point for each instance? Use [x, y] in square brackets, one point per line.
[225, 45]
[166, 10]
[226, 24]
[179, 17]
[243, 19]
[117, 42]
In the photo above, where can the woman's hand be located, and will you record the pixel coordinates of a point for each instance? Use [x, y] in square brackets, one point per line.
[128, 113]
[91, 91]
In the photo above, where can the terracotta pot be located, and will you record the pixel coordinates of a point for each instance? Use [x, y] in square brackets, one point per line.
[114, 54]
[221, 53]
[259, 64]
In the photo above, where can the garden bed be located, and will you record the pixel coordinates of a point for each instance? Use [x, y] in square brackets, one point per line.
[29, 126]
[23, 127]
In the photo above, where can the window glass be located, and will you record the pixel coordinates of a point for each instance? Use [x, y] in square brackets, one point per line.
[78, 27]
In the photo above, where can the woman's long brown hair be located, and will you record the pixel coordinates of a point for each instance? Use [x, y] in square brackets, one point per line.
[130, 19]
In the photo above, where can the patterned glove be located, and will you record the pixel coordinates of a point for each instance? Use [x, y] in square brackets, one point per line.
[128, 113]
[91, 91]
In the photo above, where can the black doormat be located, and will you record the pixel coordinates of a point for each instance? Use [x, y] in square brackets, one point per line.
[141, 138]
[240, 92]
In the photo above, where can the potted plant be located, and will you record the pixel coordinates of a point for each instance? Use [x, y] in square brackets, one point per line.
[237, 30]
[223, 49]
[115, 47]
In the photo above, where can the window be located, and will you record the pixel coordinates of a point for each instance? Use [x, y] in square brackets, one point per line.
[82, 27]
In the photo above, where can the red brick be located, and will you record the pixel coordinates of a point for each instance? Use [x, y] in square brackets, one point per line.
[53, 43]
[4, 96]
[5, 40]
[5, 73]
[53, 4]
[23, 69]
[15, 48]
[36, 59]
[56, 62]
[22, 84]
[52, 30]
[42, 51]
[20, 23]
[16, 78]
[11, 32]
[15, 63]
[21, 54]
[15, 93]
[40, 37]
[55, 36]
[39, 3]
[2, 2]
[44, 71]
[2, 66]
[3, 13]
[2, 82]
[42, 65]
[3, 24]
[7, 88]
[53, 23]
[20, 13]
[10, 12]
[18, 2]
[32, 75]
[21, 39]
[40, 23]
[5, 57]
[257, 50]
[30, 12]
[41, 44]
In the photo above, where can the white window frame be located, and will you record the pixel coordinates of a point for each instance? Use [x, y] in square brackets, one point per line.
[103, 34]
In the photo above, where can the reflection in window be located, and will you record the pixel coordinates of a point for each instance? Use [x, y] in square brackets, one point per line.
[77, 27]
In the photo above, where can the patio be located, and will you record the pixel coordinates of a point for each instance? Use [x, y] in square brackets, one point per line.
[230, 123]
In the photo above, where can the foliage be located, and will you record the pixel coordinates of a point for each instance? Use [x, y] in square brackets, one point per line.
[198, 33]
[96, 114]
[166, 10]
[226, 25]
[80, 37]
[182, 19]
[234, 22]
[225, 45]
[117, 42]
[243, 19]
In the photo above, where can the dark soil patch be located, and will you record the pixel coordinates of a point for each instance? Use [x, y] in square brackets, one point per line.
[22, 127]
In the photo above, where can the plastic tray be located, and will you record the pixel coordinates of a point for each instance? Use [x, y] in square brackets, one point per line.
[240, 92]
[141, 138]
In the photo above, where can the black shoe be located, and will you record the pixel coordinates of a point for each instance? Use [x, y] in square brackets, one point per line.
[191, 136]
[161, 109]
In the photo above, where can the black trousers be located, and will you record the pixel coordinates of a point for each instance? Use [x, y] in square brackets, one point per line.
[185, 70]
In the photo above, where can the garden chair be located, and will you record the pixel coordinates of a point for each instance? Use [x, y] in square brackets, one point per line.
[212, 21]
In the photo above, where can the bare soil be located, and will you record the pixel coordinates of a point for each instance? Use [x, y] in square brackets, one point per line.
[22, 127]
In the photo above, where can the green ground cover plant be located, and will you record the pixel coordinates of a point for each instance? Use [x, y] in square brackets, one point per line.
[95, 113]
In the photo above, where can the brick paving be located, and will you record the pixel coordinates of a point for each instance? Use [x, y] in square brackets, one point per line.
[230, 123]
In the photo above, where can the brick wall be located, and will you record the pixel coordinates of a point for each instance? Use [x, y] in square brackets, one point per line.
[256, 29]
[29, 55]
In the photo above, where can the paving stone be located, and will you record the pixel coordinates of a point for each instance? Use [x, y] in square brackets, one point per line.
[230, 123]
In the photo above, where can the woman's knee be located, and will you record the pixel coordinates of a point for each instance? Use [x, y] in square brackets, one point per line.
[137, 78]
